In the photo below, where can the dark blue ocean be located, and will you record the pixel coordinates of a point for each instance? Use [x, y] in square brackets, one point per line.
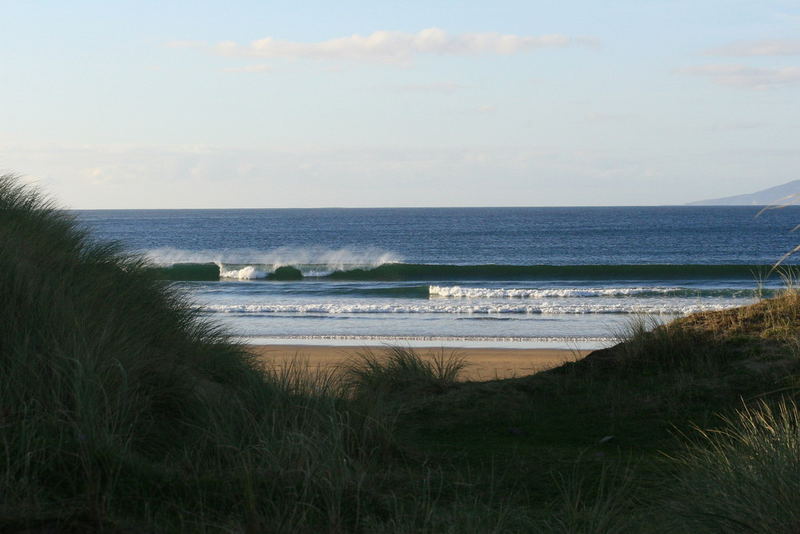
[520, 277]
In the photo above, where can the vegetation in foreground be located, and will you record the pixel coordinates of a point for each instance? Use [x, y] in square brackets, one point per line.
[121, 410]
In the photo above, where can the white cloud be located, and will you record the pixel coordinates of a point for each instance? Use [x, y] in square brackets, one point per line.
[249, 68]
[774, 47]
[126, 176]
[258, 177]
[395, 46]
[748, 77]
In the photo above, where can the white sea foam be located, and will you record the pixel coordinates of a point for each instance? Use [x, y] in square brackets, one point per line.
[486, 293]
[249, 272]
[544, 308]
[503, 339]
[248, 263]
[457, 342]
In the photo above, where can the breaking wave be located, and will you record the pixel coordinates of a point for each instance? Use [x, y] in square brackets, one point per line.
[249, 264]
[524, 293]
[346, 265]
[431, 307]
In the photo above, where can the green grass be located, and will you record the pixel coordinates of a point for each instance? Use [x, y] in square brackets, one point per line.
[121, 407]
[398, 371]
[122, 410]
[743, 477]
[583, 447]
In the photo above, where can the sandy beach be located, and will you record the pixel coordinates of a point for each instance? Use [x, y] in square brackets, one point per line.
[483, 363]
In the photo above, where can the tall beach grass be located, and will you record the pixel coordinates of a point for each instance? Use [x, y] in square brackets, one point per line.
[123, 410]
[742, 477]
[121, 406]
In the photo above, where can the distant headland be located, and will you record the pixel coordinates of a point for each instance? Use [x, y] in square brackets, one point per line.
[780, 194]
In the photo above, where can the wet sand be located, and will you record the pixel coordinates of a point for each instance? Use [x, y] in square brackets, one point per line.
[483, 363]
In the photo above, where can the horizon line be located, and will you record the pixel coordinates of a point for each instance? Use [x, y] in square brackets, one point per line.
[687, 205]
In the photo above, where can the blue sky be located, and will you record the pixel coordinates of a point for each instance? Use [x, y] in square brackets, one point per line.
[307, 104]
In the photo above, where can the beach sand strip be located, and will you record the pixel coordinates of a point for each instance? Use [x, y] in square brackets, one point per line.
[482, 363]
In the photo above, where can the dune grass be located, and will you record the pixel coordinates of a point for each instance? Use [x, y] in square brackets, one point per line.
[743, 477]
[121, 406]
[122, 410]
[400, 370]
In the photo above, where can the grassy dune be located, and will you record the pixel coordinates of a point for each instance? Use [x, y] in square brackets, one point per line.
[121, 410]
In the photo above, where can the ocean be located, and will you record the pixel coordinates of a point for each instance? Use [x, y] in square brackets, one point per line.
[497, 277]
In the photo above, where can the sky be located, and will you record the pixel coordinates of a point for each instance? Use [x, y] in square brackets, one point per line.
[272, 104]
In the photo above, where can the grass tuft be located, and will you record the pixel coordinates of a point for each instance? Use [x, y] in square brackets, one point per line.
[602, 505]
[402, 370]
[744, 477]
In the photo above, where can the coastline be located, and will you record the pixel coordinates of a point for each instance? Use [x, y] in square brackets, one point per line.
[483, 363]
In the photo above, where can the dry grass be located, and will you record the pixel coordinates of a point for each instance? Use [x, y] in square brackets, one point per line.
[774, 318]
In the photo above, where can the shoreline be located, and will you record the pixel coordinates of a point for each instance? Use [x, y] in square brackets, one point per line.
[482, 363]
[351, 342]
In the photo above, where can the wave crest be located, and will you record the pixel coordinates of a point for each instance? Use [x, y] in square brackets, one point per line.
[251, 264]
[546, 308]
[582, 292]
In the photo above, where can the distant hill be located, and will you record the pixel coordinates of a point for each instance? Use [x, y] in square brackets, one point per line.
[774, 195]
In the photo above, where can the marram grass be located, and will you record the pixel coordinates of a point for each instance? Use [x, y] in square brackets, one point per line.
[120, 406]
[123, 410]
[743, 477]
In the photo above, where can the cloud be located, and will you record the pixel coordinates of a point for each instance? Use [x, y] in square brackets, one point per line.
[397, 47]
[774, 47]
[748, 77]
[214, 176]
[249, 68]
[125, 176]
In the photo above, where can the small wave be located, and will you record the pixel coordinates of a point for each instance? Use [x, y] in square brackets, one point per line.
[412, 271]
[381, 269]
[515, 293]
[663, 308]
[390, 338]
[383, 291]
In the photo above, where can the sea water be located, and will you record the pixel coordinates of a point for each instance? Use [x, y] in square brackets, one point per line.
[515, 277]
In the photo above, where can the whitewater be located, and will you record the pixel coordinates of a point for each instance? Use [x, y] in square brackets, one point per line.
[513, 277]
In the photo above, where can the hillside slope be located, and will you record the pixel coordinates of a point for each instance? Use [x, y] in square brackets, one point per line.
[780, 194]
